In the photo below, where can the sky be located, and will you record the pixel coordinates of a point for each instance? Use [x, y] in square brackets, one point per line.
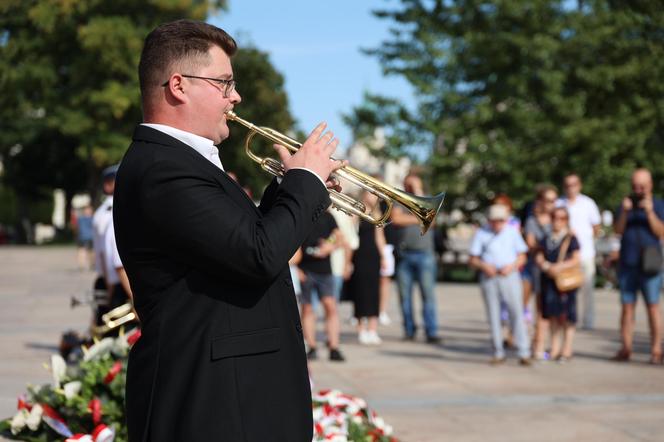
[316, 46]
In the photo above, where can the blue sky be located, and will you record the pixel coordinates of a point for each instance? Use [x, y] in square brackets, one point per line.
[316, 46]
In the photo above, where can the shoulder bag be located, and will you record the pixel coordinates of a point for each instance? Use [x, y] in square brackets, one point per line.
[571, 278]
[651, 256]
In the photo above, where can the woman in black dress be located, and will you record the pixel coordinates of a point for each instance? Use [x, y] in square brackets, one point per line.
[558, 307]
[364, 284]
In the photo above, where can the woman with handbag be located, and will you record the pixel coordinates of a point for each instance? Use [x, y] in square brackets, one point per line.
[537, 227]
[559, 261]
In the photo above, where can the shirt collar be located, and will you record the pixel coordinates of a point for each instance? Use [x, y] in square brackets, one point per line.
[202, 145]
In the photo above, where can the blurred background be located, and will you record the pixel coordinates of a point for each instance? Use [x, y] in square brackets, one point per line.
[481, 97]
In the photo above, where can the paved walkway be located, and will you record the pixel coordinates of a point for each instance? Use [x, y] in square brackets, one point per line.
[427, 393]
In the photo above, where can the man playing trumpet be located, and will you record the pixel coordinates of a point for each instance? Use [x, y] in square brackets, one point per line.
[221, 355]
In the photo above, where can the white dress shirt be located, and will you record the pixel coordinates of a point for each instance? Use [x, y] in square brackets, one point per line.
[202, 145]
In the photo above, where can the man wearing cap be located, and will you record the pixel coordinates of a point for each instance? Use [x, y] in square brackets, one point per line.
[498, 251]
[101, 220]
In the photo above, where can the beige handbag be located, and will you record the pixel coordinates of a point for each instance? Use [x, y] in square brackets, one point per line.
[568, 279]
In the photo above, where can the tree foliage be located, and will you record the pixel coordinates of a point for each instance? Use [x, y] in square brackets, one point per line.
[514, 93]
[71, 70]
[71, 98]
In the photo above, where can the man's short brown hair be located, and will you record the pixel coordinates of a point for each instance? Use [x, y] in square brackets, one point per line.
[178, 46]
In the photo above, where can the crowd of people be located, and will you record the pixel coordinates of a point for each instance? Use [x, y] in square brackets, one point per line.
[552, 255]
[350, 259]
[519, 263]
[545, 259]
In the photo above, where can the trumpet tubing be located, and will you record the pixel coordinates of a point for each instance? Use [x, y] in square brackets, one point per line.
[114, 319]
[424, 208]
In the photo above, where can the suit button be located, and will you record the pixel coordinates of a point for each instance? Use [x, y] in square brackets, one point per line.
[288, 282]
[299, 328]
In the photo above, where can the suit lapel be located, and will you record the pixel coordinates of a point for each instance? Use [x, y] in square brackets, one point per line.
[145, 133]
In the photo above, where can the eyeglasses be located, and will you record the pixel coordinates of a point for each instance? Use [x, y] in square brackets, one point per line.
[228, 85]
[562, 218]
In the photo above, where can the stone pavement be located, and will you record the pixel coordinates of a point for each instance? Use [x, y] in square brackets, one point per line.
[427, 393]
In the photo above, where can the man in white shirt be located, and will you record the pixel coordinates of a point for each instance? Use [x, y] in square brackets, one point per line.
[114, 270]
[585, 222]
[101, 219]
[103, 216]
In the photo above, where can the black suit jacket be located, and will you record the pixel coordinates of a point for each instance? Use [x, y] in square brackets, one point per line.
[221, 356]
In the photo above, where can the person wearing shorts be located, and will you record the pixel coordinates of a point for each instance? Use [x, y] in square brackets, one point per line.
[318, 278]
[640, 221]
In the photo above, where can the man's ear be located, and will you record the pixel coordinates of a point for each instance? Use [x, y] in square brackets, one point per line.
[175, 89]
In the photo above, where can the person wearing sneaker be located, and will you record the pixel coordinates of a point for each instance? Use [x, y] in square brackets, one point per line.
[417, 264]
[392, 235]
[538, 225]
[498, 251]
[364, 284]
[559, 250]
[318, 278]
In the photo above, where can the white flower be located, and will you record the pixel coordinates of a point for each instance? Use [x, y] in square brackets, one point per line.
[34, 419]
[120, 344]
[99, 349]
[58, 369]
[72, 389]
[19, 420]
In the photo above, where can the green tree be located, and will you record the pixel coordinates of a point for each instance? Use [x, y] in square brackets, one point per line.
[71, 97]
[514, 93]
[71, 68]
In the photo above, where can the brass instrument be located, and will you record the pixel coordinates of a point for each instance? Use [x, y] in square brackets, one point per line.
[114, 319]
[424, 208]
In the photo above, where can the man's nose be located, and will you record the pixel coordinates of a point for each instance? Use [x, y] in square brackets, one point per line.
[235, 97]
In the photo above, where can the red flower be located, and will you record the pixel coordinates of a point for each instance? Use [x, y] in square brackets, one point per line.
[22, 403]
[113, 372]
[132, 338]
[319, 428]
[95, 408]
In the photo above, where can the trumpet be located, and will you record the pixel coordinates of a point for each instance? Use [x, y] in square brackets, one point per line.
[114, 319]
[424, 208]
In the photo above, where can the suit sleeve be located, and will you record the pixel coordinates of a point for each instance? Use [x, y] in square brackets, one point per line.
[269, 196]
[207, 229]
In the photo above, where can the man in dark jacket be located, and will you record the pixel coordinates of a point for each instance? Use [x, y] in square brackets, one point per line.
[221, 355]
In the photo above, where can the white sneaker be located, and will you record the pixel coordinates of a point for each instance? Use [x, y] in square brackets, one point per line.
[364, 337]
[384, 319]
[373, 338]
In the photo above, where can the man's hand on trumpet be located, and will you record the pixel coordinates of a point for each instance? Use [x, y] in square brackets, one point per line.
[315, 155]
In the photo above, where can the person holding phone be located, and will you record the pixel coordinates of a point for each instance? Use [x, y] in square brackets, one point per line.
[640, 221]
